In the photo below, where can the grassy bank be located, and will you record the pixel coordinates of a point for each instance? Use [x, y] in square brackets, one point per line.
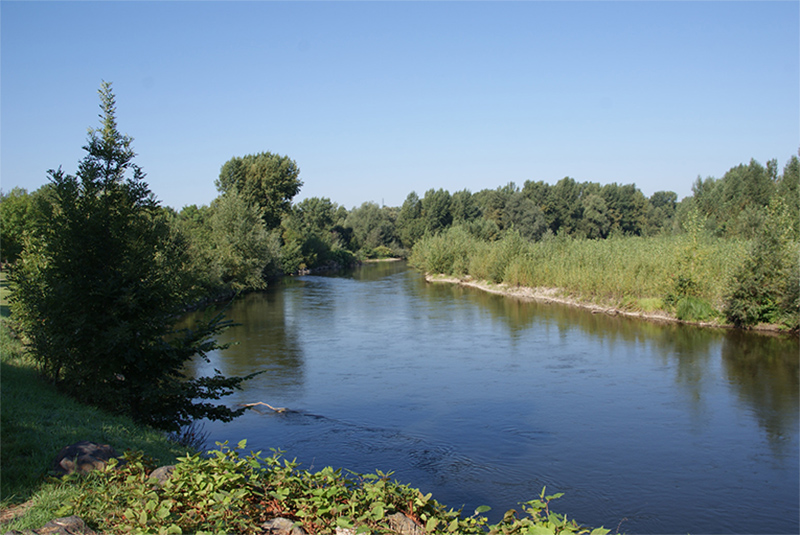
[664, 275]
[36, 422]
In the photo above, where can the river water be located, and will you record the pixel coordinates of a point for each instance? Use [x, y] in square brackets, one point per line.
[484, 400]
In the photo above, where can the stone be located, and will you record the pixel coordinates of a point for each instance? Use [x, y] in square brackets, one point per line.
[162, 473]
[281, 526]
[68, 525]
[400, 523]
[83, 457]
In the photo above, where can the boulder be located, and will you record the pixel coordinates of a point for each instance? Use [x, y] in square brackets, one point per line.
[162, 473]
[281, 526]
[400, 523]
[83, 457]
[68, 525]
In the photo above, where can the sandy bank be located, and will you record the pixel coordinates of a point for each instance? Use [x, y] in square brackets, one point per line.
[556, 295]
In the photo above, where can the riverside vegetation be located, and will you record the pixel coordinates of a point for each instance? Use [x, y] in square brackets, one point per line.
[693, 276]
[99, 271]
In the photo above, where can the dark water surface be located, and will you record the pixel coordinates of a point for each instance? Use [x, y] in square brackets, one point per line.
[481, 399]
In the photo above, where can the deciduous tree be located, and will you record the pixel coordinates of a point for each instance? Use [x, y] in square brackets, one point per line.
[268, 180]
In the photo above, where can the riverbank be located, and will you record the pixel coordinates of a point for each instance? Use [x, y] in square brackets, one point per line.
[611, 308]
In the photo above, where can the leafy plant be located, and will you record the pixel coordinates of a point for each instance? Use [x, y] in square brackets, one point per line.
[223, 492]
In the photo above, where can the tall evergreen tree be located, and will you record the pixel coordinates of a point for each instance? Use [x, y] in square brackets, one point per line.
[97, 293]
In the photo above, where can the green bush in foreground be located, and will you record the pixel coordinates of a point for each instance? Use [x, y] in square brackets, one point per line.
[224, 492]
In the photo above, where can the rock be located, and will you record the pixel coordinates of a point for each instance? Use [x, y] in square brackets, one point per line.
[162, 473]
[281, 526]
[400, 523]
[68, 525]
[83, 457]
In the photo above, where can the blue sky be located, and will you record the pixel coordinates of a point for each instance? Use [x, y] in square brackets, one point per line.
[374, 100]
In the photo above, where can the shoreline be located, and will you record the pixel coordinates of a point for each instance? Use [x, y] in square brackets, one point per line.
[555, 295]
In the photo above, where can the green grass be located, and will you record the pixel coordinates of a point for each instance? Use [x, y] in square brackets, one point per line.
[36, 421]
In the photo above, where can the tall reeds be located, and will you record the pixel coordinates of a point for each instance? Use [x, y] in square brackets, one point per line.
[617, 269]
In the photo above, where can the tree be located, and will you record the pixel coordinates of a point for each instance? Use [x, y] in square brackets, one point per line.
[97, 292]
[436, 210]
[563, 208]
[373, 226]
[313, 237]
[410, 225]
[524, 216]
[463, 207]
[241, 244]
[766, 288]
[595, 223]
[267, 180]
[16, 221]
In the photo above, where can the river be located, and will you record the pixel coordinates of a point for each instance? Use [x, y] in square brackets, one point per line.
[483, 400]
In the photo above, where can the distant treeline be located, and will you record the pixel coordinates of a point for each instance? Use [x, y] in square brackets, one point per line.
[252, 231]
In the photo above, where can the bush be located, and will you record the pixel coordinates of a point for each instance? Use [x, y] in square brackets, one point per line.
[766, 288]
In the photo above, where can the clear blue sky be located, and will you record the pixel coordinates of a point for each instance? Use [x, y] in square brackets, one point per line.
[376, 99]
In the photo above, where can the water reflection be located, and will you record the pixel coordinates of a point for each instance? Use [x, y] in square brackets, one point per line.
[763, 370]
[264, 339]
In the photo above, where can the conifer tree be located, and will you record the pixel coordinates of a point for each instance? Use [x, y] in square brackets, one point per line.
[98, 291]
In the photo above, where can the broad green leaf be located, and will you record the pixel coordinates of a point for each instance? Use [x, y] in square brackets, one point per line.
[539, 529]
[343, 522]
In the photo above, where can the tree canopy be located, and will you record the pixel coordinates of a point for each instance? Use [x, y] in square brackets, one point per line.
[267, 180]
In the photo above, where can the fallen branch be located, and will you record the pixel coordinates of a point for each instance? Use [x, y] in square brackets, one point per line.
[276, 409]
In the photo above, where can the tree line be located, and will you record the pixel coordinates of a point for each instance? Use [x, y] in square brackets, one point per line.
[99, 268]
[253, 231]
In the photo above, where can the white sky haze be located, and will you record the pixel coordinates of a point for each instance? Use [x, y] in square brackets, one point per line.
[374, 100]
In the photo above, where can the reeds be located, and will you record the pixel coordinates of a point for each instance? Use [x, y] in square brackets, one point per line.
[622, 269]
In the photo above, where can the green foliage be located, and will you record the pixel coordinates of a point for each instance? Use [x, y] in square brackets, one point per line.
[313, 236]
[96, 293]
[686, 285]
[223, 492]
[16, 221]
[690, 308]
[267, 180]
[766, 289]
[372, 226]
[521, 214]
[436, 210]
[242, 249]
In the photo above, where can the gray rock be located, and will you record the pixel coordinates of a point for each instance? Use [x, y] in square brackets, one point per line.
[83, 457]
[400, 523]
[162, 473]
[68, 525]
[281, 526]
